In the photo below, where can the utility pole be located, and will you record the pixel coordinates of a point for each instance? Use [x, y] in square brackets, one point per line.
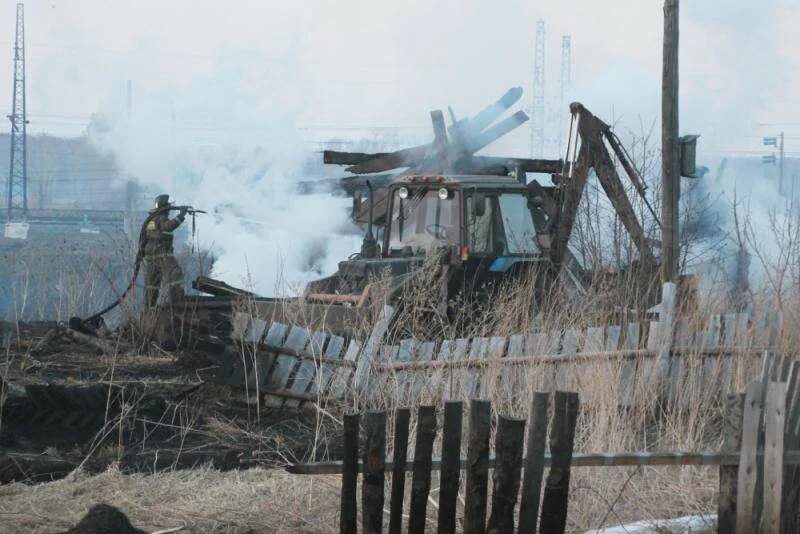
[537, 109]
[17, 205]
[670, 146]
[566, 78]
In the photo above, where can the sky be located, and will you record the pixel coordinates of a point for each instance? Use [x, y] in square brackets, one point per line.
[228, 96]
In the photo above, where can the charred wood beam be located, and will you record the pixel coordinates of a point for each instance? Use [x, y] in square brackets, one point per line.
[334, 157]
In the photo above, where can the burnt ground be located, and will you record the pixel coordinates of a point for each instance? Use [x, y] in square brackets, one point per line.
[67, 406]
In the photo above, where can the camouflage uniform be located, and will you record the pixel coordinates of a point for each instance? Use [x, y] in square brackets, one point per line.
[161, 266]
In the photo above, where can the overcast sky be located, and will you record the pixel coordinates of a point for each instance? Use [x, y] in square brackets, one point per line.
[349, 64]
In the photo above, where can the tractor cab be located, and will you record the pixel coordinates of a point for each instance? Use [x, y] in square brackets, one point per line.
[467, 217]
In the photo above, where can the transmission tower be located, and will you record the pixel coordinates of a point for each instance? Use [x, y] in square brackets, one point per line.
[566, 78]
[537, 110]
[566, 68]
[18, 170]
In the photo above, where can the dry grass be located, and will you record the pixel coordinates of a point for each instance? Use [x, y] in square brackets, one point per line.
[201, 500]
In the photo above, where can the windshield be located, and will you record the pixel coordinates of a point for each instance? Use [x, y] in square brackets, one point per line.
[423, 221]
[500, 224]
[518, 224]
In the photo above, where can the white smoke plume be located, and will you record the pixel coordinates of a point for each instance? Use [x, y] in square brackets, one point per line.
[228, 143]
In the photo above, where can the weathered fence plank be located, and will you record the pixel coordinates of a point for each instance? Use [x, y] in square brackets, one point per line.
[450, 474]
[401, 422]
[421, 479]
[477, 467]
[732, 442]
[374, 461]
[562, 437]
[534, 464]
[349, 509]
[505, 482]
[748, 463]
[774, 423]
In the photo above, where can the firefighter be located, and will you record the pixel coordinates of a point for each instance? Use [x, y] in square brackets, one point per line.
[161, 265]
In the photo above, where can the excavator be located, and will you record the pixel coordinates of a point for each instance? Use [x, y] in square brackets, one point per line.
[476, 220]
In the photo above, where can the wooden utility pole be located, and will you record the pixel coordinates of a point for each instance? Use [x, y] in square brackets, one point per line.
[670, 146]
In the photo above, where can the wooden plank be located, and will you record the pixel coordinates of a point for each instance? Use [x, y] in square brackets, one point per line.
[569, 346]
[542, 344]
[374, 461]
[666, 318]
[534, 464]
[508, 447]
[479, 349]
[399, 457]
[774, 423]
[627, 375]
[512, 378]
[304, 376]
[477, 467]
[456, 377]
[710, 372]
[341, 375]
[333, 351]
[594, 341]
[562, 438]
[790, 500]
[371, 349]
[775, 331]
[284, 364]
[731, 443]
[420, 379]
[407, 352]
[348, 523]
[748, 463]
[444, 376]
[421, 478]
[491, 375]
[450, 474]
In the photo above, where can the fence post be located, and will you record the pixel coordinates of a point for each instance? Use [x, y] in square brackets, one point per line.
[371, 350]
[790, 520]
[401, 420]
[374, 461]
[508, 464]
[450, 473]
[349, 508]
[774, 422]
[562, 438]
[747, 476]
[534, 465]
[731, 443]
[421, 481]
[477, 467]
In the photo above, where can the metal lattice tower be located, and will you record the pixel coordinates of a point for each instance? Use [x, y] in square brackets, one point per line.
[18, 170]
[537, 109]
[566, 68]
[566, 79]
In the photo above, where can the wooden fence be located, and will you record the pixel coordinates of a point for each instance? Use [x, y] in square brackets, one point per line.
[759, 464]
[684, 360]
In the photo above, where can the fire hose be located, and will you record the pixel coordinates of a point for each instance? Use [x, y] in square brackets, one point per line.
[94, 321]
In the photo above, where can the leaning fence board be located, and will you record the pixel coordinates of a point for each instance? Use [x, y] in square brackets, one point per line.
[479, 349]
[732, 441]
[774, 419]
[477, 467]
[421, 478]
[341, 375]
[371, 348]
[374, 461]
[748, 463]
[419, 378]
[710, 373]
[455, 376]
[333, 351]
[297, 339]
[512, 378]
[562, 438]
[491, 375]
[537, 344]
[401, 422]
[505, 483]
[450, 473]
[348, 523]
[534, 464]
[304, 376]
[569, 346]
[407, 352]
[629, 363]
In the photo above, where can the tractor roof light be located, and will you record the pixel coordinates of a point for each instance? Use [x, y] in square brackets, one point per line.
[402, 193]
[444, 194]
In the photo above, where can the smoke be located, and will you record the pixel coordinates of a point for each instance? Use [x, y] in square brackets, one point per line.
[228, 143]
